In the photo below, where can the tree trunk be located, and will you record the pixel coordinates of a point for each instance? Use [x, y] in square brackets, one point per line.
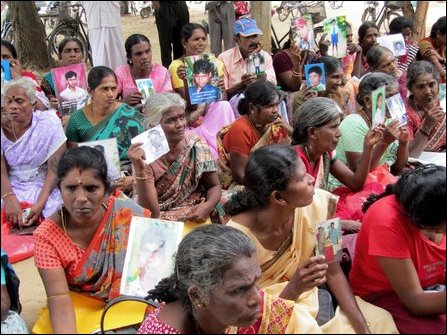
[29, 35]
[419, 20]
[408, 10]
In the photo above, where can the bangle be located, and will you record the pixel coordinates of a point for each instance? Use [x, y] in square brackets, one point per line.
[296, 73]
[423, 132]
[57, 295]
[7, 195]
[142, 178]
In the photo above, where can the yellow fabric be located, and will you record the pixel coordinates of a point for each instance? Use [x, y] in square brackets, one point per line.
[88, 315]
[190, 225]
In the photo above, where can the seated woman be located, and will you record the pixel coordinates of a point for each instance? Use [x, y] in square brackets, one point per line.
[208, 119]
[104, 118]
[279, 212]
[410, 217]
[213, 290]
[382, 59]
[82, 246]
[182, 184]
[259, 125]
[368, 33]
[9, 53]
[432, 48]
[140, 66]
[70, 51]
[32, 142]
[426, 119]
[334, 89]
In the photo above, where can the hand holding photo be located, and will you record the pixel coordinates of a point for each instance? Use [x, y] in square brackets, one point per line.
[329, 240]
[303, 32]
[336, 28]
[378, 105]
[146, 88]
[315, 76]
[395, 43]
[154, 142]
[397, 110]
[255, 64]
[202, 77]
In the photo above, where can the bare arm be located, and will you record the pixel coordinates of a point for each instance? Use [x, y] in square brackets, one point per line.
[6, 302]
[238, 163]
[405, 281]
[11, 203]
[402, 151]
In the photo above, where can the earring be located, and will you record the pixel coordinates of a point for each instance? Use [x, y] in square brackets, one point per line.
[199, 306]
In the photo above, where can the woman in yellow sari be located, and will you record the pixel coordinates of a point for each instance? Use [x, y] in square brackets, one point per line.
[259, 125]
[279, 211]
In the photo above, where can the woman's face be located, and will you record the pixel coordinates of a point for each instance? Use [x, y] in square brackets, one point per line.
[196, 44]
[388, 64]
[6, 54]
[71, 54]
[141, 55]
[173, 123]
[104, 94]
[18, 106]
[83, 194]
[237, 302]
[327, 136]
[349, 36]
[299, 191]
[370, 39]
[334, 81]
[267, 114]
[425, 90]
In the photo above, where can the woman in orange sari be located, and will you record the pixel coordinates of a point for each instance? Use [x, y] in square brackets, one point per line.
[259, 125]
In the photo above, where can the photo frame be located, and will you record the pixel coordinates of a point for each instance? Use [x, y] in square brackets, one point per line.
[328, 239]
[378, 100]
[315, 76]
[335, 28]
[202, 79]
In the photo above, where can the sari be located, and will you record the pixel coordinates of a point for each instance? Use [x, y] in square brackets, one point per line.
[123, 124]
[274, 135]
[277, 316]
[27, 159]
[279, 266]
[436, 141]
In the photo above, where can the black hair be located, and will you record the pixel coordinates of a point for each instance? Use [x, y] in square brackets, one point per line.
[364, 28]
[12, 49]
[83, 158]
[188, 30]
[438, 26]
[374, 55]
[64, 42]
[71, 74]
[331, 64]
[269, 169]
[422, 193]
[371, 82]
[131, 41]
[259, 93]
[315, 69]
[100, 147]
[398, 24]
[97, 74]
[203, 65]
[418, 68]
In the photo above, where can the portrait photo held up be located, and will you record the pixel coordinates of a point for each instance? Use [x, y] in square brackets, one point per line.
[202, 78]
[315, 76]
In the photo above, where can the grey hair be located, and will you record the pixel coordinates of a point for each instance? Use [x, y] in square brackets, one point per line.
[316, 113]
[24, 84]
[374, 55]
[202, 259]
[371, 82]
[158, 104]
[419, 68]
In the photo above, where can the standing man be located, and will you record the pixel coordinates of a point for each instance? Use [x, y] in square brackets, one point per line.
[170, 17]
[221, 18]
[104, 33]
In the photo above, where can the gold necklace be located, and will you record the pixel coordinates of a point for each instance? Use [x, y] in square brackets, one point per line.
[366, 117]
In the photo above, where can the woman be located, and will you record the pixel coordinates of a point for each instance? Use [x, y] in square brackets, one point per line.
[182, 185]
[32, 142]
[382, 59]
[104, 118]
[352, 61]
[334, 89]
[273, 210]
[426, 119]
[213, 291]
[70, 51]
[140, 66]
[410, 216]
[432, 48]
[205, 120]
[9, 53]
[259, 125]
[368, 33]
[82, 246]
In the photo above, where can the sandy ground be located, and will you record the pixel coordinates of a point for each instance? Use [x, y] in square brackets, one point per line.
[32, 292]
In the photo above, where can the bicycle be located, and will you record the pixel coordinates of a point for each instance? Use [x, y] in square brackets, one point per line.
[286, 8]
[71, 27]
[387, 13]
[132, 8]
[336, 4]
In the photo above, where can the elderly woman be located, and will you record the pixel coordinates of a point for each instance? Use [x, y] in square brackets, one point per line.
[426, 119]
[140, 66]
[213, 290]
[182, 184]
[32, 142]
[259, 125]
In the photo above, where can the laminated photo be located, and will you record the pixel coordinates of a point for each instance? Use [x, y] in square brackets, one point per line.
[397, 110]
[335, 28]
[315, 76]
[154, 142]
[256, 64]
[395, 43]
[202, 79]
[378, 98]
[303, 32]
[146, 88]
[329, 240]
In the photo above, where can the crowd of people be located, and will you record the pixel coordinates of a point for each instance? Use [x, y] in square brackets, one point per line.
[257, 170]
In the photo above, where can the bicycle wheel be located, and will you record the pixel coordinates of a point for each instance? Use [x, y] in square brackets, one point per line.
[368, 14]
[283, 13]
[295, 12]
[384, 22]
[145, 12]
[52, 22]
[61, 32]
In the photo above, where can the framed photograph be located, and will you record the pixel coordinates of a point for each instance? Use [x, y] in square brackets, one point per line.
[71, 87]
[6, 72]
[329, 240]
[378, 98]
[109, 148]
[395, 43]
[202, 77]
[315, 76]
[335, 28]
[303, 32]
[397, 110]
[146, 88]
[154, 142]
[150, 254]
[256, 64]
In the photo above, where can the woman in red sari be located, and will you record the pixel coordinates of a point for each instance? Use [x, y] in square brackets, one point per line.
[82, 247]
